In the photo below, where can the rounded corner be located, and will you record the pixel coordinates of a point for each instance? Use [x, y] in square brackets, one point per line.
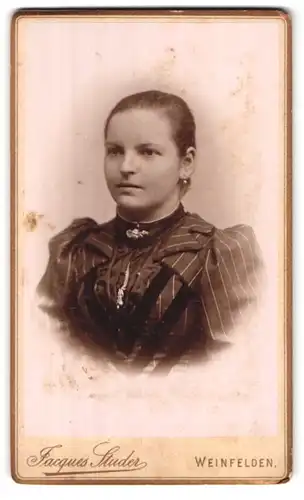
[285, 15]
[16, 477]
[16, 16]
[286, 476]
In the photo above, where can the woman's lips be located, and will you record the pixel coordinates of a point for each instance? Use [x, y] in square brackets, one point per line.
[128, 186]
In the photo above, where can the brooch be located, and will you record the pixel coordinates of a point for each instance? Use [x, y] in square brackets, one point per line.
[136, 233]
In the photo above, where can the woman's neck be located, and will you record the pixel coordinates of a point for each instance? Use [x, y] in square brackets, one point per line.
[148, 218]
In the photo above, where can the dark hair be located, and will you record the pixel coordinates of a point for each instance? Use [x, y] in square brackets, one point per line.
[176, 109]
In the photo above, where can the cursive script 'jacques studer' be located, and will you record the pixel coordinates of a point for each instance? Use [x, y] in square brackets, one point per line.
[102, 459]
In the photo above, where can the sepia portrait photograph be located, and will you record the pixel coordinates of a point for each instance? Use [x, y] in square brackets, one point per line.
[151, 238]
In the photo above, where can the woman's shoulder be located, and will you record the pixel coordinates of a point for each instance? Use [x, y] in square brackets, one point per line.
[236, 236]
[234, 233]
[238, 240]
[195, 233]
[77, 231]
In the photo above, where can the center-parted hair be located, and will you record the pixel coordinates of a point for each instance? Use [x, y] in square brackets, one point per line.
[175, 108]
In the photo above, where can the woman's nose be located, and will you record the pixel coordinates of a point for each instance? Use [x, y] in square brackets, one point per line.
[128, 165]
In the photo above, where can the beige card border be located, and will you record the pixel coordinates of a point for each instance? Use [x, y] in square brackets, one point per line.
[250, 14]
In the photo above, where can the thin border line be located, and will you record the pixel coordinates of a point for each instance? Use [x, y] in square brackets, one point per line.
[141, 13]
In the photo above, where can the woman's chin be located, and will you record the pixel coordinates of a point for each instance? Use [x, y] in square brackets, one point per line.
[130, 203]
[133, 208]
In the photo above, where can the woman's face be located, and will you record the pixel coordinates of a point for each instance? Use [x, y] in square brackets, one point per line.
[142, 163]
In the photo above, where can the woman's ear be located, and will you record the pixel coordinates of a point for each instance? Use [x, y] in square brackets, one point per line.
[188, 164]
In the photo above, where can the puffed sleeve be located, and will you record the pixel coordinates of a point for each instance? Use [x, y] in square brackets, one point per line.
[57, 280]
[231, 279]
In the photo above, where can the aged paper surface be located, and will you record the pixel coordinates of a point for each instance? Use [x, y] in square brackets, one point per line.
[225, 420]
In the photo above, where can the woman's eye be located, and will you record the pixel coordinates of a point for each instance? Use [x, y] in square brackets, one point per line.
[148, 152]
[114, 151]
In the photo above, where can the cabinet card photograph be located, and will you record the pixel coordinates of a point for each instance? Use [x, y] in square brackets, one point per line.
[151, 246]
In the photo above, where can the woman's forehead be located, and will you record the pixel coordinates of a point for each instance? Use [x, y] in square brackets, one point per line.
[140, 125]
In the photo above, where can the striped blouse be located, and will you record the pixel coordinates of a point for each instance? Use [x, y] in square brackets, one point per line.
[151, 295]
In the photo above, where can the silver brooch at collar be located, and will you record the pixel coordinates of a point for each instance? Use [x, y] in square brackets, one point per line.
[136, 233]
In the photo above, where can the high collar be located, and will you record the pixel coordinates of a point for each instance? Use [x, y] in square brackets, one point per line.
[144, 233]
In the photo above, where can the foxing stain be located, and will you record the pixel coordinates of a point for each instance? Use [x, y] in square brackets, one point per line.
[31, 220]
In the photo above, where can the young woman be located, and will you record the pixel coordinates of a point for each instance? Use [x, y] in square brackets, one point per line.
[156, 285]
